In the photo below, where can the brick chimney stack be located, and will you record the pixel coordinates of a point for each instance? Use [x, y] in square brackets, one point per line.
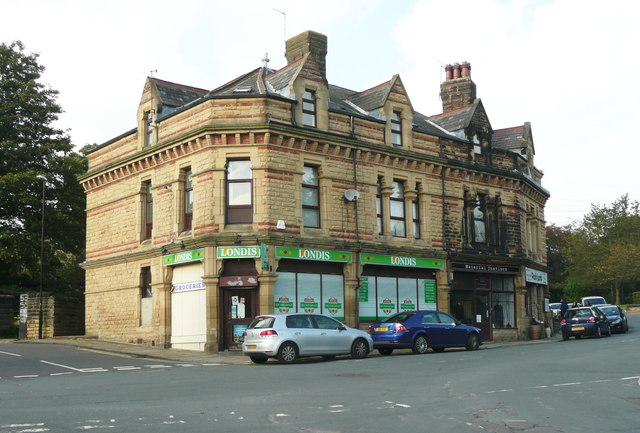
[308, 42]
[458, 90]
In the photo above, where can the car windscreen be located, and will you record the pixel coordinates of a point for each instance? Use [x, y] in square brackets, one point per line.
[583, 312]
[261, 322]
[609, 311]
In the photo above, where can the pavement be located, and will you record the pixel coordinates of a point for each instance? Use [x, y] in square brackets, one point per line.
[188, 356]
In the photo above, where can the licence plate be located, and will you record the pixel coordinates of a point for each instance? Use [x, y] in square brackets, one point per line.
[251, 346]
[384, 328]
[578, 328]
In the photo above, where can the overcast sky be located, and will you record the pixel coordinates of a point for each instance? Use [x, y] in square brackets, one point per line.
[570, 67]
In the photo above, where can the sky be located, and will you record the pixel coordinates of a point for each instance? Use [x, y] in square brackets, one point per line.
[570, 67]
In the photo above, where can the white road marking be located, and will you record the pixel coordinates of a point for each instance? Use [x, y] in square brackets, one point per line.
[567, 384]
[540, 386]
[499, 390]
[127, 368]
[61, 374]
[26, 376]
[159, 366]
[630, 378]
[61, 366]
[9, 353]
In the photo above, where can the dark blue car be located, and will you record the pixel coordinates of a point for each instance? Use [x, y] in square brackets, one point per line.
[421, 330]
[616, 317]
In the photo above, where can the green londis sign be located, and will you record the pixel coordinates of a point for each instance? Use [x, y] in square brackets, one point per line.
[311, 254]
[411, 262]
[238, 252]
[183, 257]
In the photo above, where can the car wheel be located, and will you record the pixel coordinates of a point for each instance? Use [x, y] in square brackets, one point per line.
[598, 332]
[473, 342]
[625, 327]
[385, 352]
[287, 353]
[565, 337]
[438, 349]
[258, 359]
[328, 357]
[420, 345]
[608, 330]
[359, 349]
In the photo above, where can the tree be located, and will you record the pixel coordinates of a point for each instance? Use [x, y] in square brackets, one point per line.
[30, 146]
[558, 239]
[604, 249]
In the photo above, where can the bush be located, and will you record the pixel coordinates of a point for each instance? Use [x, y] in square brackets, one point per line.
[635, 298]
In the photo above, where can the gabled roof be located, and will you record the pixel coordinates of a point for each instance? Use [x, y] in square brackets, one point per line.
[458, 119]
[251, 83]
[373, 98]
[514, 138]
[176, 95]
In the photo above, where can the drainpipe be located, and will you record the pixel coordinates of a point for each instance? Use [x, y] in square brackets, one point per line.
[358, 245]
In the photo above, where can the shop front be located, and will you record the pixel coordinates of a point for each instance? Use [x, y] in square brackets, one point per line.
[187, 300]
[311, 281]
[239, 292]
[391, 284]
[537, 302]
[483, 295]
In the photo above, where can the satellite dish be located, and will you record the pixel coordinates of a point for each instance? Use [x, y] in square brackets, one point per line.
[351, 195]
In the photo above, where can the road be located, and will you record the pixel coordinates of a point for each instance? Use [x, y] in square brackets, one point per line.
[574, 386]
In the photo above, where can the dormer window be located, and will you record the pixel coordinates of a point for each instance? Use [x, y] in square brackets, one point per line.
[309, 108]
[396, 128]
[477, 147]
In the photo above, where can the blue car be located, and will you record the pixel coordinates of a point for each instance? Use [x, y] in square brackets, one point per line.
[584, 321]
[616, 317]
[422, 330]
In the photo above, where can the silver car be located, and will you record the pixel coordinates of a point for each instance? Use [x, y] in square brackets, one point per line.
[288, 337]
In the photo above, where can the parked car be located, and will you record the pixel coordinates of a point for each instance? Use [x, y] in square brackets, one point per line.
[584, 321]
[555, 308]
[616, 317]
[288, 337]
[591, 301]
[421, 330]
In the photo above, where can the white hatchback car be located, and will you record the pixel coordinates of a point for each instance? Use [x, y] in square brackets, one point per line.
[288, 337]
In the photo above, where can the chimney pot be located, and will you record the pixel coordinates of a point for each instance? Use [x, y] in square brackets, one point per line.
[456, 71]
[449, 70]
[466, 69]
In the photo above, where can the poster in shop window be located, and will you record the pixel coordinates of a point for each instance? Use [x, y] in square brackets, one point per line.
[387, 297]
[430, 298]
[367, 297]
[333, 296]
[284, 293]
[407, 294]
[309, 293]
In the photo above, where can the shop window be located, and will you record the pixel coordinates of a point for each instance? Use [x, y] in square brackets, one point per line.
[381, 296]
[379, 206]
[310, 197]
[298, 292]
[397, 216]
[309, 108]
[148, 210]
[239, 192]
[396, 128]
[503, 311]
[187, 221]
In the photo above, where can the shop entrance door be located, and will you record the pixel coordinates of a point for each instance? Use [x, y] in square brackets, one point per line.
[482, 317]
[239, 308]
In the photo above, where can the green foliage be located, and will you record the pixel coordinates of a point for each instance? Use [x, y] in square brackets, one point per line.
[603, 251]
[30, 146]
[635, 298]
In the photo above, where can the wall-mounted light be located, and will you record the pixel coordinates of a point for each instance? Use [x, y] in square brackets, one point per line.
[301, 245]
[237, 241]
[164, 250]
[182, 245]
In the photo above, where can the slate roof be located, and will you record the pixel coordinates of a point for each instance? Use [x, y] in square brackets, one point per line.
[456, 119]
[514, 138]
[264, 81]
[176, 95]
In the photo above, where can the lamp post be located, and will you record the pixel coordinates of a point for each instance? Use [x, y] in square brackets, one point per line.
[43, 179]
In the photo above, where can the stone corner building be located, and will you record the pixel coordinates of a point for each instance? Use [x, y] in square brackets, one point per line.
[280, 192]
